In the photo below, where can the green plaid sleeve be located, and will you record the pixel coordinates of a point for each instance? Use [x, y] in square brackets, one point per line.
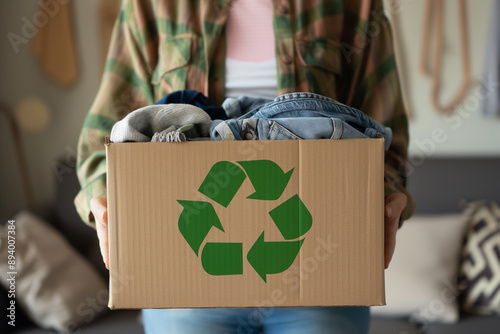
[125, 86]
[378, 93]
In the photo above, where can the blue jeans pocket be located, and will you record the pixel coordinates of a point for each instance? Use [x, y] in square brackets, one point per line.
[279, 132]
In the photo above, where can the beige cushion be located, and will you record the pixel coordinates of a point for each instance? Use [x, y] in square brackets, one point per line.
[54, 284]
[421, 282]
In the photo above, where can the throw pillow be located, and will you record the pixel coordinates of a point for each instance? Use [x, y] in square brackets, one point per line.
[480, 268]
[55, 285]
[421, 279]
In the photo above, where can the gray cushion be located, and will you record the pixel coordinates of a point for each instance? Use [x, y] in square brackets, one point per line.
[53, 281]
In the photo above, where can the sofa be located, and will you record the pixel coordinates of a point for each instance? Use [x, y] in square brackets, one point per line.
[441, 188]
[438, 186]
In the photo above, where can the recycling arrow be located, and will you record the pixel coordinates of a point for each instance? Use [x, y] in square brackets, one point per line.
[292, 218]
[272, 257]
[195, 222]
[267, 178]
[221, 184]
[222, 258]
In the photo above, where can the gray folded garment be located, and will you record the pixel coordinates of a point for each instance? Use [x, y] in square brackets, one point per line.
[169, 136]
[159, 121]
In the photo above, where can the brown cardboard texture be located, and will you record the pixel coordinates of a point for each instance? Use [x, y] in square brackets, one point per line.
[246, 223]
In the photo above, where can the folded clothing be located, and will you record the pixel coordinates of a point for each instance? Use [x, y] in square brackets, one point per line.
[157, 121]
[290, 116]
[300, 116]
[195, 98]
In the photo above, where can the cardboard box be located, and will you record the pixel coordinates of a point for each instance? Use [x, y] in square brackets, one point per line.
[246, 223]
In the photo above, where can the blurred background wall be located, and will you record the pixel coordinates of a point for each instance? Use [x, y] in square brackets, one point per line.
[465, 133]
[21, 79]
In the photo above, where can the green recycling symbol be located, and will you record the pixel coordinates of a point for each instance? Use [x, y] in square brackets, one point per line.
[220, 185]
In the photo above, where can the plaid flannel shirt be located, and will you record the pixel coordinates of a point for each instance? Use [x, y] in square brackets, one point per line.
[337, 48]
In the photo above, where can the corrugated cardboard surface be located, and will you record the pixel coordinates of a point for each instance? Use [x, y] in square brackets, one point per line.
[341, 259]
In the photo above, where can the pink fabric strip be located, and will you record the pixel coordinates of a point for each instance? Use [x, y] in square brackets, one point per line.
[249, 31]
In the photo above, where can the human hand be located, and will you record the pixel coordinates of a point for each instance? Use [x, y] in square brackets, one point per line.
[394, 206]
[99, 208]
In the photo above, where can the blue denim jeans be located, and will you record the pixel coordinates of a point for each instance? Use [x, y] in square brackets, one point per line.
[289, 320]
[235, 107]
[299, 116]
